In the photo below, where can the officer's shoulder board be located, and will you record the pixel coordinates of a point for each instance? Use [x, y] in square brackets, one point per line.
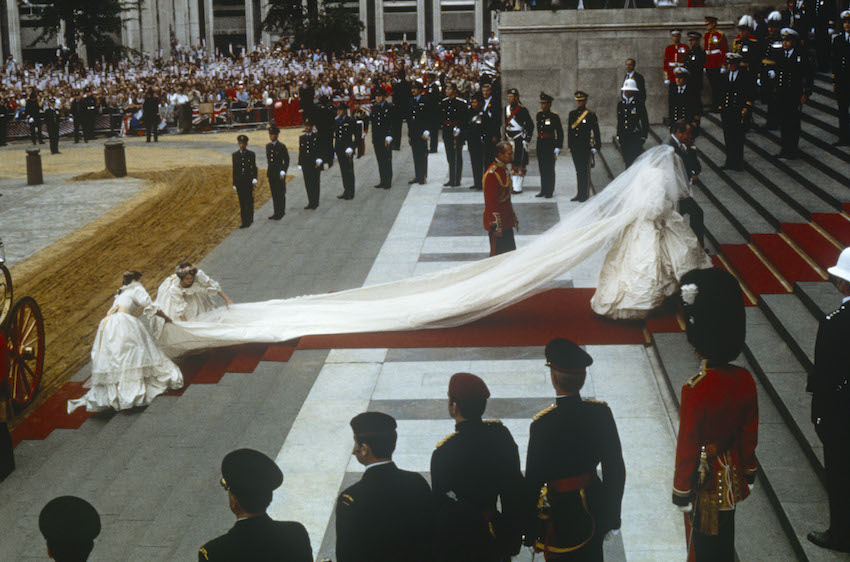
[694, 380]
[446, 439]
[545, 411]
[204, 553]
[494, 423]
[553, 112]
[446, 98]
[593, 401]
[346, 499]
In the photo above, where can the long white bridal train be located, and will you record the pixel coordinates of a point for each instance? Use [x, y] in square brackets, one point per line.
[650, 247]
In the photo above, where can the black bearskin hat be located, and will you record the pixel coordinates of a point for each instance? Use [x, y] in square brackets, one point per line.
[714, 309]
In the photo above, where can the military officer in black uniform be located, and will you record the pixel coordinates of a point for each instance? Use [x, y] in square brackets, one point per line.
[69, 526]
[420, 118]
[323, 122]
[566, 443]
[388, 515]
[793, 87]
[32, 109]
[89, 113]
[453, 114]
[840, 76]
[735, 104]
[632, 123]
[5, 114]
[250, 479]
[748, 46]
[77, 117]
[583, 140]
[492, 108]
[476, 136]
[550, 141]
[695, 62]
[381, 120]
[361, 118]
[471, 469]
[822, 19]
[434, 91]
[346, 140]
[683, 100]
[401, 91]
[51, 119]
[244, 179]
[311, 163]
[277, 164]
[830, 390]
[150, 115]
[773, 51]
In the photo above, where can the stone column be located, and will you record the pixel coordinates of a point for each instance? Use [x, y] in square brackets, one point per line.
[438, 23]
[210, 17]
[180, 22]
[420, 24]
[379, 23]
[130, 35]
[364, 17]
[266, 37]
[479, 21]
[13, 16]
[249, 25]
[194, 23]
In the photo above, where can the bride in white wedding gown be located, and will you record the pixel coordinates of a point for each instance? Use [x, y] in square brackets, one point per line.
[651, 247]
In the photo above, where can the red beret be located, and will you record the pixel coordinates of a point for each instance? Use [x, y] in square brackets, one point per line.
[466, 386]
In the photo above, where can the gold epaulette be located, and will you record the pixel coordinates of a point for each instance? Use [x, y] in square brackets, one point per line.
[593, 401]
[493, 422]
[445, 439]
[205, 553]
[694, 380]
[545, 411]
[346, 499]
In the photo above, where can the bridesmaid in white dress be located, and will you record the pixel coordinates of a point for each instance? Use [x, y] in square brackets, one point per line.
[186, 294]
[128, 367]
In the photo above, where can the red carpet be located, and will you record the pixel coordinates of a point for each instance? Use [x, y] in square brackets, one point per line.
[835, 224]
[789, 263]
[719, 263]
[53, 414]
[751, 269]
[813, 243]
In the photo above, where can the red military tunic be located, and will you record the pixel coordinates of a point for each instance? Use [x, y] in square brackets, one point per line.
[719, 411]
[714, 43]
[498, 210]
[674, 56]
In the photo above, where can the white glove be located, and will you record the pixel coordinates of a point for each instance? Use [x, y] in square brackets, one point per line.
[254, 181]
[771, 74]
[723, 70]
[30, 120]
[319, 162]
[70, 119]
[349, 151]
[831, 31]
[557, 152]
[456, 131]
[525, 145]
[666, 81]
[426, 135]
[611, 534]
[686, 508]
[758, 81]
[751, 486]
[363, 136]
[593, 151]
[283, 174]
[299, 167]
[234, 188]
[388, 140]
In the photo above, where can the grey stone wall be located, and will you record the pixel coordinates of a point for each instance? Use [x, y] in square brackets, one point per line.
[567, 50]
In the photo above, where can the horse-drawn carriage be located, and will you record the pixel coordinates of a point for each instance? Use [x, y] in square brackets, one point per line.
[21, 345]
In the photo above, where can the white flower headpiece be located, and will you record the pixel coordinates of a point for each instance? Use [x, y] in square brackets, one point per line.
[689, 293]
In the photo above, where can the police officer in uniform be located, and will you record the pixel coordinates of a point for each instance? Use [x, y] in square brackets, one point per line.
[311, 162]
[69, 525]
[32, 109]
[632, 123]
[277, 164]
[583, 141]
[381, 119]
[830, 390]
[736, 103]
[569, 517]
[471, 469]
[550, 141]
[435, 92]
[323, 122]
[695, 62]
[453, 114]
[518, 128]
[683, 101]
[793, 87]
[388, 515]
[244, 179]
[715, 465]
[840, 76]
[345, 143]
[420, 118]
[250, 479]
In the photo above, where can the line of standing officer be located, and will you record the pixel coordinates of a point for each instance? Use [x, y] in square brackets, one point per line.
[345, 143]
[583, 140]
[420, 119]
[550, 141]
[244, 179]
[793, 87]
[277, 157]
[381, 119]
[736, 103]
[453, 114]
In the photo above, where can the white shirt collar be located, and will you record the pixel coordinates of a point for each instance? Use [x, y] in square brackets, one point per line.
[845, 299]
[374, 464]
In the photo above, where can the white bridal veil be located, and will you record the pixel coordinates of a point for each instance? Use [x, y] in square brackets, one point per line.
[455, 296]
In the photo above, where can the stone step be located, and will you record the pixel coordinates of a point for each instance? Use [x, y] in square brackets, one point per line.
[816, 136]
[820, 297]
[794, 323]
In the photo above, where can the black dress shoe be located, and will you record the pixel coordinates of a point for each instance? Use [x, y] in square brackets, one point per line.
[414, 180]
[541, 194]
[781, 155]
[824, 539]
[448, 184]
[379, 186]
[576, 198]
[343, 196]
[548, 196]
[244, 225]
[275, 217]
[309, 207]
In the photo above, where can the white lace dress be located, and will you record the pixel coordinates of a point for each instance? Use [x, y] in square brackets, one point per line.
[128, 367]
[180, 302]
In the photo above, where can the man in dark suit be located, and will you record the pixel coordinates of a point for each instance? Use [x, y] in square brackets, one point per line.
[683, 100]
[250, 478]
[381, 120]
[471, 469]
[277, 164]
[244, 180]
[738, 91]
[583, 140]
[840, 77]
[310, 162]
[150, 115]
[69, 526]
[346, 140]
[632, 74]
[420, 118]
[388, 515]
[682, 140]
[566, 443]
[830, 390]
[632, 123]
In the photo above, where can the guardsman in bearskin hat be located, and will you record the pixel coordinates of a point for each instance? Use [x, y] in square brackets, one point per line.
[69, 525]
[499, 217]
[518, 129]
[718, 428]
[570, 509]
[388, 515]
[250, 479]
[583, 140]
[471, 469]
[830, 390]
[550, 141]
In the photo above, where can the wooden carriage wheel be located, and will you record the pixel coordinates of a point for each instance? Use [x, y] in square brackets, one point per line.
[5, 293]
[25, 348]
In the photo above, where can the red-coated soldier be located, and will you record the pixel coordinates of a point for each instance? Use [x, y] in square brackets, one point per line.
[499, 217]
[718, 427]
[715, 45]
[674, 55]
